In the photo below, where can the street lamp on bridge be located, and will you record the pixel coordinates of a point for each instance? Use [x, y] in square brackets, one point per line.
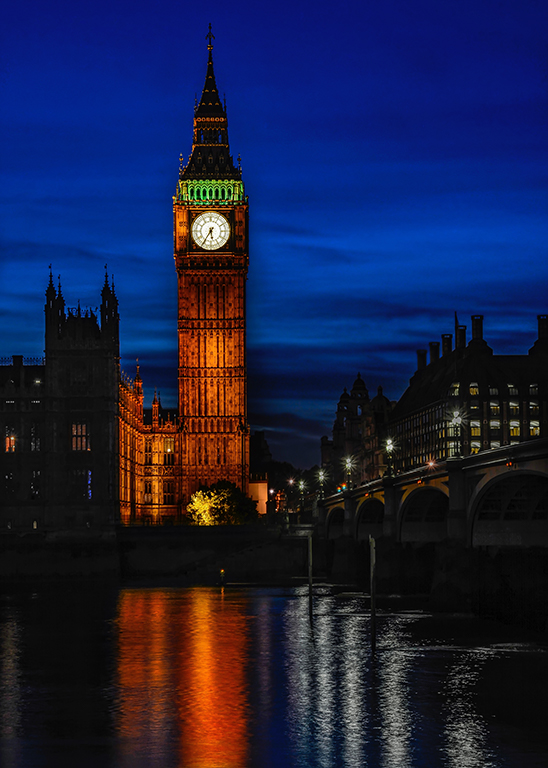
[389, 448]
[349, 466]
[322, 475]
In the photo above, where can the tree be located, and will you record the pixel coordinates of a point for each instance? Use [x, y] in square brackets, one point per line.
[223, 503]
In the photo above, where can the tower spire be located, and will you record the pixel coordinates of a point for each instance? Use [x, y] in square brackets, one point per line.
[210, 37]
[210, 158]
[210, 105]
[51, 293]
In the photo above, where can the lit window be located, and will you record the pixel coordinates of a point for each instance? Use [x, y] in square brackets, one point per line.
[169, 450]
[474, 405]
[533, 408]
[513, 405]
[512, 390]
[80, 437]
[533, 389]
[475, 446]
[493, 390]
[452, 448]
[454, 389]
[514, 428]
[494, 424]
[10, 441]
[474, 388]
[475, 429]
[494, 444]
[534, 428]
[494, 407]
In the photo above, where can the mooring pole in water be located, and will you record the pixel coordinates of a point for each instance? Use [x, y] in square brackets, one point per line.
[372, 588]
[310, 576]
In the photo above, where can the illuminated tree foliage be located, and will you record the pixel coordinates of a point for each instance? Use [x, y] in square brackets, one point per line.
[221, 504]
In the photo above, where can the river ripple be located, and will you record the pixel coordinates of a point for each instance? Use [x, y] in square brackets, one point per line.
[239, 678]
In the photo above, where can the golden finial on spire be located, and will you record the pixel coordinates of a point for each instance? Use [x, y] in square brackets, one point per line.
[210, 37]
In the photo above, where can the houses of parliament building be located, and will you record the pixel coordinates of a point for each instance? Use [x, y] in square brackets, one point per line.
[79, 448]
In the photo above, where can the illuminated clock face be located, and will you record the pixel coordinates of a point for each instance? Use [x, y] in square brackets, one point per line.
[210, 230]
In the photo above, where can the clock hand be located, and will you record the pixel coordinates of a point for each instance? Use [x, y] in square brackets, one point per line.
[210, 233]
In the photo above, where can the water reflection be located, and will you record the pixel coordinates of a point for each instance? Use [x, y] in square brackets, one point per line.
[466, 732]
[145, 673]
[345, 707]
[10, 687]
[206, 678]
[395, 662]
[182, 665]
[213, 699]
[353, 689]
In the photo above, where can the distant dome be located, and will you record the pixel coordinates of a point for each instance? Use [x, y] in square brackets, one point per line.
[359, 388]
[380, 402]
[345, 396]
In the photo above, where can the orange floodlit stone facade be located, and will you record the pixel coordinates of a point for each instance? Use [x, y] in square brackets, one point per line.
[165, 459]
[150, 459]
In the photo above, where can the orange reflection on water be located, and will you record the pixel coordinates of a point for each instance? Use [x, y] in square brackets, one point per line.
[214, 706]
[182, 661]
[144, 670]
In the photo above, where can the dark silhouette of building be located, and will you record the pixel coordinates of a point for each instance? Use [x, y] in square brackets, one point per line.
[458, 403]
[59, 418]
[356, 452]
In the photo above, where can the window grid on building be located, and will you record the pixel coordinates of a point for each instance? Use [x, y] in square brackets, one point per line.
[80, 437]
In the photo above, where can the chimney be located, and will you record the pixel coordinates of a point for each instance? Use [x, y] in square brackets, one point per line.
[477, 326]
[461, 337]
[446, 343]
[541, 344]
[434, 351]
[421, 359]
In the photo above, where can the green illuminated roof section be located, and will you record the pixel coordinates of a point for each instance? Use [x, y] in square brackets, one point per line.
[210, 191]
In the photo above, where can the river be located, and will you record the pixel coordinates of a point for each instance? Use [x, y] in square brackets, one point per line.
[231, 677]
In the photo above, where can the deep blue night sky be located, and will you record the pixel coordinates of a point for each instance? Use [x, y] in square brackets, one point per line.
[394, 155]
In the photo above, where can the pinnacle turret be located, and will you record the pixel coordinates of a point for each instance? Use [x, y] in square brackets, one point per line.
[50, 290]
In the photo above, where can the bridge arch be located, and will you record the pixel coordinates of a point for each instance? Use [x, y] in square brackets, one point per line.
[334, 524]
[369, 519]
[512, 510]
[423, 516]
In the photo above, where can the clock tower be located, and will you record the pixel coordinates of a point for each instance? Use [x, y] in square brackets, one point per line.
[211, 258]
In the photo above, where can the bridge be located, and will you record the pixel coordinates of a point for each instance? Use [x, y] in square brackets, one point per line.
[497, 497]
